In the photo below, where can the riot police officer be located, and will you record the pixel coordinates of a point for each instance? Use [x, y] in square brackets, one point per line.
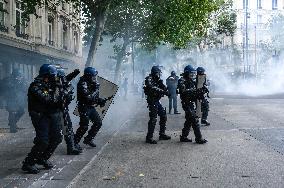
[188, 95]
[172, 82]
[88, 96]
[154, 89]
[45, 110]
[204, 101]
[68, 129]
[15, 89]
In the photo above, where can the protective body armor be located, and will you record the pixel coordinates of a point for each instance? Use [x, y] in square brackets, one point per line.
[154, 90]
[43, 98]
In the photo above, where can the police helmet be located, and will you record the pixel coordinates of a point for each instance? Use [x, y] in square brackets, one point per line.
[189, 69]
[47, 70]
[90, 71]
[200, 70]
[155, 70]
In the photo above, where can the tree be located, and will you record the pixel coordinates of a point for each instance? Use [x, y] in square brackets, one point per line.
[125, 23]
[178, 21]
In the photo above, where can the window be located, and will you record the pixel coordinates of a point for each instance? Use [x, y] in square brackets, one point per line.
[259, 4]
[50, 30]
[64, 36]
[20, 25]
[2, 7]
[274, 4]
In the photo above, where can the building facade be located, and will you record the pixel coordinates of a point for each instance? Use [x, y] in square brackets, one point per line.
[53, 37]
[253, 19]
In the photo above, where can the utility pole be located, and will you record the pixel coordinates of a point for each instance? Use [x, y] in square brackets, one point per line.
[246, 33]
[255, 61]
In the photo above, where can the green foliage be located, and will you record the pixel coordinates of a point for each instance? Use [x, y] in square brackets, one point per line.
[227, 23]
[178, 21]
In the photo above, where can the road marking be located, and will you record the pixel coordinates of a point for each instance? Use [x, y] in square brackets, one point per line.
[88, 166]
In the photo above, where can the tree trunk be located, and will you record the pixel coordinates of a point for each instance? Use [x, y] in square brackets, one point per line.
[120, 58]
[100, 23]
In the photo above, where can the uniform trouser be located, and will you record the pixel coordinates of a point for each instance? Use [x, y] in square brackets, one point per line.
[88, 114]
[48, 135]
[68, 130]
[204, 109]
[156, 108]
[191, 120]
[14, 117]
[173, 102]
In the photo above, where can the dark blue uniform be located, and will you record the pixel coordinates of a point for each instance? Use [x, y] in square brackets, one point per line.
[188, 95]
[45, 109]
[154, 89]
[68, 93]
[172, 82]
[88, 97]
[14, 90]
[204, 101]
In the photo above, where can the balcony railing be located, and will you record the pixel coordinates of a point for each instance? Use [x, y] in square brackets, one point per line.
[3, 28]
[22, 35]
[50, 42]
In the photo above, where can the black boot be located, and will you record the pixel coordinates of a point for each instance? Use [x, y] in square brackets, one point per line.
[200, 141]
[151, 141]
[170, 110]
[185, 139]
[89, 142]
[73, 151]
[205, 122]
[45, 163]
[78, 147]
[30, 168]
[164, 137]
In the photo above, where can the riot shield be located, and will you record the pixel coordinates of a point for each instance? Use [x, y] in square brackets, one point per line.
[200, 82]
[108, 91]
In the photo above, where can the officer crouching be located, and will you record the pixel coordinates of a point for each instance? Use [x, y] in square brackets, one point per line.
[45, 110]
[88, 97]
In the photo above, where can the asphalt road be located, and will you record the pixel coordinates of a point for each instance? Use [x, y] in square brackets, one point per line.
[245, 149]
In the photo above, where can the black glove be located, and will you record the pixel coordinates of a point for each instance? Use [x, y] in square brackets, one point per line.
[76, 71]
[101, 102]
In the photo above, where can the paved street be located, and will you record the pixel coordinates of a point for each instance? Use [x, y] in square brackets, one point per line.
[245, 149]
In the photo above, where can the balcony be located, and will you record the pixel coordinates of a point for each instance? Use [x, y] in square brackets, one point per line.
[50, 42]
[22, 35]
[3, 28]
